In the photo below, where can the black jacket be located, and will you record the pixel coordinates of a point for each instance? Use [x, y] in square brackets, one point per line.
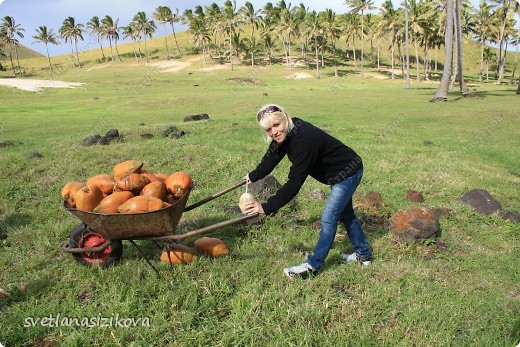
[312, 152]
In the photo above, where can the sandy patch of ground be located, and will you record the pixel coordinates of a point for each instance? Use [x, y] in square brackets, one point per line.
[34, 85]
[299, 76]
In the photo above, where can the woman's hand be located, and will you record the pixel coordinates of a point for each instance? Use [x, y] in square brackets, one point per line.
[253, 207]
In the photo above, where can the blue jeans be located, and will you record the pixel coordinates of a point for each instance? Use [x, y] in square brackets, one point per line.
[339, 208]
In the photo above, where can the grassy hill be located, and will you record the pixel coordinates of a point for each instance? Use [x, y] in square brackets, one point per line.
[23, 53]
[90, 54]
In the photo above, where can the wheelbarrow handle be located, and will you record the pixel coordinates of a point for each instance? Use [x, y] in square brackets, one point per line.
[214, 196]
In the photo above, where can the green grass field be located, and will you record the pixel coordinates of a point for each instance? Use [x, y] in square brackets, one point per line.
[462, 290]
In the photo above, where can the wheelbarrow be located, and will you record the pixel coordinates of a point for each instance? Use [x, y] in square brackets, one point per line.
[98, 238]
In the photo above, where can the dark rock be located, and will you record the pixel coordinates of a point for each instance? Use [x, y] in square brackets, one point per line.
[91, 140]
[7, 143]
[265, 188]
[373, 221]
[317, 194]
[141, 124]
[427, 143]
[372, 200]
[442, 211]
[415, 223]
[196, 117]
[112, 134]
[146, 136]
[509, 215]
[414, 196]
[168, 131]
[104, 141]
[36, 155]
[177, 135]
[481, 201]
[265, 94]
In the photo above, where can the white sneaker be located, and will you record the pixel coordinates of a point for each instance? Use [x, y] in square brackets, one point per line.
[302, 271]
[355, 257]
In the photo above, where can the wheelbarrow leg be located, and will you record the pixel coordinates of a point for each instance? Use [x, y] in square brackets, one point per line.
[145, 257]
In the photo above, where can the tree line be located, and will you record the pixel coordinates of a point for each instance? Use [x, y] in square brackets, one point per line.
[230, 33]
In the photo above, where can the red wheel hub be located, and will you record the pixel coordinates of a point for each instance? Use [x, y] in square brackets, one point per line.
[90, 240]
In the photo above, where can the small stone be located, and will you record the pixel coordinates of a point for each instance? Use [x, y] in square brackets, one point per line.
[372, 199]
[414, 196]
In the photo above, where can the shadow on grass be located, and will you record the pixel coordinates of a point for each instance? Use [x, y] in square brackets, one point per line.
[13, 221]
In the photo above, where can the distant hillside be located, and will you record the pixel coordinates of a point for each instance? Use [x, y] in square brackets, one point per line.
[23, 52]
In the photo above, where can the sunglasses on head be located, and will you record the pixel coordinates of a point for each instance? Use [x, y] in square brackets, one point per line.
[268, 109]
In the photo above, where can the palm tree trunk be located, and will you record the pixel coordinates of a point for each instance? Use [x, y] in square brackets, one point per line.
[230, 51]
[111, 51]
[442, 91]
[145, 51]
[101, 46]
[481, 62]
[362, 40]
[393, 57]
[463, 86]
[135, 53]
[407, 83]
[77, 54]
[72, 54]
[117, 52]
[418, 77]
[166, 42]
[11, 58]
[334, 57]
[317, 57]
[176, 43]
[17, 58]
[49, 58]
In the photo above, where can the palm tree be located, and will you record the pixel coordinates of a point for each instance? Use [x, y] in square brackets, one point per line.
[71, 31]
[356, 7]
[390, 25]
[231, 22]
[111, 32]
[46, 36]
[504, 12]
[314, 29]
[215, 23]
[442, 91]
[331, 29]
[163, 15]
[200, 36]
[132, 33]
[9, 29]
[175, 18]
[250, 17]
[97, 28]
[146, 27]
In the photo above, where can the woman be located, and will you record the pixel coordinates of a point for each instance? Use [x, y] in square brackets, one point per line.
[314, 153]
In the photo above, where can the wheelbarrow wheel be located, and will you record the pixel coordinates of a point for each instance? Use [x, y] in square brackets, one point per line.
[84, 236]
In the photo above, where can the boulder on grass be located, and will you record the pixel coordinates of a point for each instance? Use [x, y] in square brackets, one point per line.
[196, 117]
[481, 201]
[415, 223]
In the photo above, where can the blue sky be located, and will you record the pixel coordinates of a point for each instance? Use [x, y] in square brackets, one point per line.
[31, 14]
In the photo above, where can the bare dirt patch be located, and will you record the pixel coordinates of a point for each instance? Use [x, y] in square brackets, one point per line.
[34, 85]
[246, 80]
[299, 76]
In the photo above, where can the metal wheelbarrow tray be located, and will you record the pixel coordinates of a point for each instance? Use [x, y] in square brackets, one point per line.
[98, 238]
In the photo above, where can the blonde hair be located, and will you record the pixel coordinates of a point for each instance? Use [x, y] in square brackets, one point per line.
[268, 117]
